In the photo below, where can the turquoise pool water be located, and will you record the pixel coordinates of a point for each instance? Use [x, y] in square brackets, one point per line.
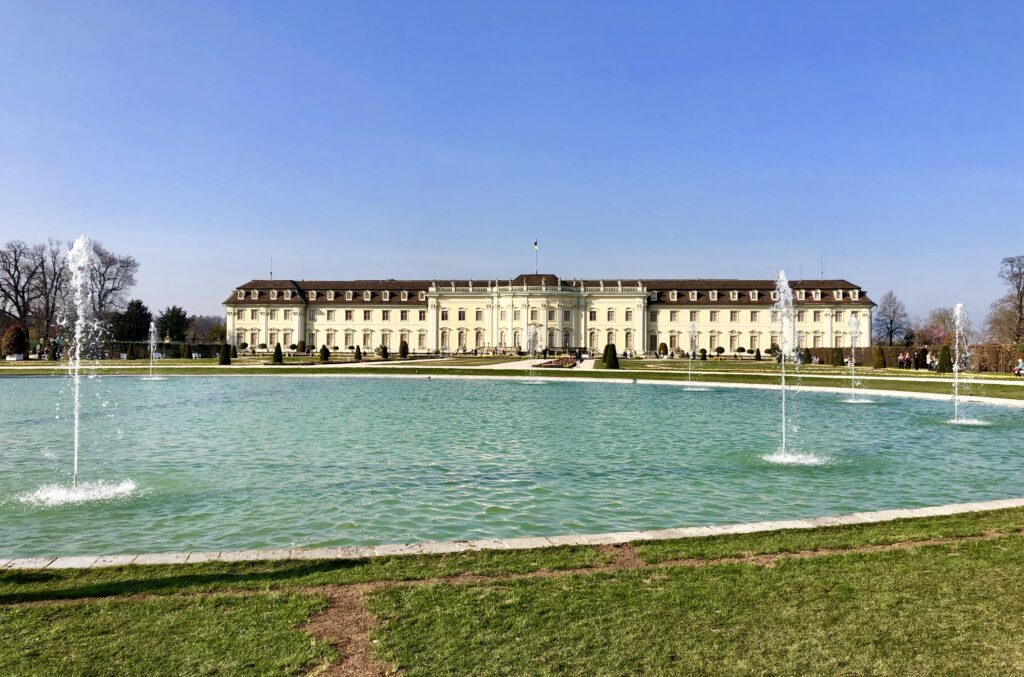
[224, 463]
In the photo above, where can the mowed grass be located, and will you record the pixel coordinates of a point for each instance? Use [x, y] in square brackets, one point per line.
[934, 610]
[195, 635]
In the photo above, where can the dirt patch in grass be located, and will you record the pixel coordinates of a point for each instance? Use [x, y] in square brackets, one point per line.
[346, 624]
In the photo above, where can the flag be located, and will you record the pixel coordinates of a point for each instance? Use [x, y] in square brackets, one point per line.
[535, 245]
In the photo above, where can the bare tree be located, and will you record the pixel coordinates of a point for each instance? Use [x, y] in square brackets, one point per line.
[18, 270]
[1006, 321]
[51, 285]
[891, 319]
[111, 276]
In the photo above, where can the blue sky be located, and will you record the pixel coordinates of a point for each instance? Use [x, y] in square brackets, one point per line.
[431, 140]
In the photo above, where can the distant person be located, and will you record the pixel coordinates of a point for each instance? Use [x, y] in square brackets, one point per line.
[1019, 369]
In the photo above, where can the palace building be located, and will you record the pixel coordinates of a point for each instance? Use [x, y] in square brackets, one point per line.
[539, 311]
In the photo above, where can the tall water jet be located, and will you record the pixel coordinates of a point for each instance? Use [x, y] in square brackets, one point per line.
[689, 353]
[783, 318]
[79, 260]
[152, 354]
[854, 325]
[961, 353]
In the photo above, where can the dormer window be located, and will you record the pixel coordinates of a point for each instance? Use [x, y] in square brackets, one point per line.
[255, 294]
[367, 294]
[330, 295]
[386, 295]
[423, 296]
[273, 295]
[734, 296]
[693, 296]
[839, 294]
[753, 295]
[854, 294]
[801, 295]
[817, 294]
[673, 295]
[287, 295]
[312, 296]
[348, 295]
[405, 296]
[654, 296]
[241, 294]
[775, 296]
[713, 295]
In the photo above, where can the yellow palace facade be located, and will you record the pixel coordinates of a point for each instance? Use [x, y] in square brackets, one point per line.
[540, 311]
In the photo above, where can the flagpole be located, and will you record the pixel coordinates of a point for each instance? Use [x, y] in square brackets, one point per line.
[536, 267]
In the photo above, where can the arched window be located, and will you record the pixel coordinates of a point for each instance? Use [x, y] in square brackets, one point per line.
[479, 341]
[517, 339]
[551, 338]
[462, 338]
[611, 337]
[566, 338]
[501, 338]
[444, 339]
[593, 340]
[629, 340]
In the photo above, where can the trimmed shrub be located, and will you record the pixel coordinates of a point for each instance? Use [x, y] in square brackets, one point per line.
[359, 355]
[879, 358]
[243, 345]
[837, 357]
[403, 349]
[945, 361]
[292, 347]
[704, 353]
[720, 350]
[234, 351]
[662, 349]
[325, 354]
[278, 355]
[225, 354]
[384, 352]
[301, 347]
[263, 346]
[14, 341]
[757, 355]
[611, 357]
[741, 349]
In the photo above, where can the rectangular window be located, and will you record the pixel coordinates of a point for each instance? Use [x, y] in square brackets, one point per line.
[349, 339]
[288, 339]
[330, 316]
[629, 316]
[273, 339]
[734, 316]
[516, 315]
[839, 316]
[239, 314]
[312, 316]
[366, 315]
[654, 316]
[287, 315]
[733, 343]
[817, 316]
[385, 316]
[800, 315]
[253, 314]
[367, 339]
[693, 316]
[551, 316]
[444, 315]
[673, 316]
[423, 316]
[423, 341]
[611, 315]
[714, 316]
[817, 341]
[753, 316]
[755, 342]
[479, 316]
[503, 316]
[533, 315]
[462, 316]
[273, 314]
[566, 316]
[672, 341]
[593, 315]
[348, 315]
[403, 315]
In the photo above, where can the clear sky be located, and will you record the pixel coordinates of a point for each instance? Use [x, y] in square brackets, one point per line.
[436, 139]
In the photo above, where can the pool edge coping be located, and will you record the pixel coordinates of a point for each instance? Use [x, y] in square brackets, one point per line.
[497, 544]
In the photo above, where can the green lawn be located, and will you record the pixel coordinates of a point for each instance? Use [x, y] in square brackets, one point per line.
[950, 608]
[187, 635]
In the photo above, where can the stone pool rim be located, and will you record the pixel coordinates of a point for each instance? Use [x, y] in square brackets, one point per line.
[498, 544]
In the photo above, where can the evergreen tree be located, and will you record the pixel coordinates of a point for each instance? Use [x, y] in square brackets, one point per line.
[945, 360]
[359, 355]
[225, 354]
[301, 347]
[278, 355]
[383, 352]
[879, 358]
[611, 357]
[325, 354]
[757, 355]
[174, 322]
[807, 358]
[14, 341]
[234, 352]
[837, 357]
[132, 324]
[403, 349]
